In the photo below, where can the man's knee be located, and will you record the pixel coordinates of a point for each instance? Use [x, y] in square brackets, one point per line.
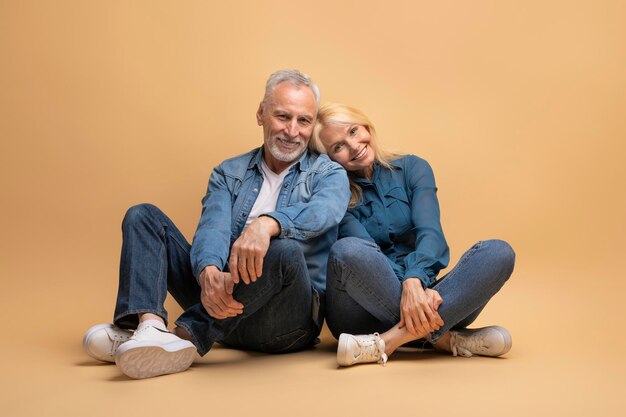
[287, 246]
[137, 214]
[284, 252]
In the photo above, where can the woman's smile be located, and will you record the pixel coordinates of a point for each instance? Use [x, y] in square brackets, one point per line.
[360, 154]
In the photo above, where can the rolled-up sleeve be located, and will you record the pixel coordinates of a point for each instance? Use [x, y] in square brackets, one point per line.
[211, 242]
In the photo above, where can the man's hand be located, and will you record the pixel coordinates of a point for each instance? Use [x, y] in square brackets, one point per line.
[217, 293]
[418, 308]
[248, 251]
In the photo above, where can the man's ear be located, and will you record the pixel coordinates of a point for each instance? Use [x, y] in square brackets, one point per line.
[259, 114]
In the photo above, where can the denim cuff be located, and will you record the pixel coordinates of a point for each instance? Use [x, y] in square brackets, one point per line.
[132, 323]
[202, 350]
[419, 273]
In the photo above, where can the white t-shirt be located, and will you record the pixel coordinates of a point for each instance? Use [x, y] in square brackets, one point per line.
[268, 195]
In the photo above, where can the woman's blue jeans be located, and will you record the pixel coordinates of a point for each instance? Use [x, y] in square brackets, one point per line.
[277, 315]
[363, 293]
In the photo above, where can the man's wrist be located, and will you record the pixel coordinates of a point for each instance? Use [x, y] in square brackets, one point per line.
[210, 269]
[207, 272]
[269, 225]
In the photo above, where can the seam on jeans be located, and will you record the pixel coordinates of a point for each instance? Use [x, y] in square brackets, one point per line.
[157, 214]
[299, 332]
[260, 295]
[338, 277]
[434, 336]
[463, 259]
[162, 273]
[185, 247]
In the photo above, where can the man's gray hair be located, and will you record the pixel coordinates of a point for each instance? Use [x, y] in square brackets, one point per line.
[292, 76]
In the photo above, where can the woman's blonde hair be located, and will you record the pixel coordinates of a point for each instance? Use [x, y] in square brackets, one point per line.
[341, 114]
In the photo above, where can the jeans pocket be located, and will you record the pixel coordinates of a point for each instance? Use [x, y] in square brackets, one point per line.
[288, 342]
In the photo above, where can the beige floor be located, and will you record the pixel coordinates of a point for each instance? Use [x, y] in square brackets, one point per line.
[518, 106]
[567, 359]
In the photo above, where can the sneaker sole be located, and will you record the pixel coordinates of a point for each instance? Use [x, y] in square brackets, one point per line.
[88, 335]
[343, 358]
[139, 362]
[508, 340]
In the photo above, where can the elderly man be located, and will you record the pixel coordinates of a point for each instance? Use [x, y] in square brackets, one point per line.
[255, 273]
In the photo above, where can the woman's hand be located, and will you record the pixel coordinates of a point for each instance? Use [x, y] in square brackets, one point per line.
[418, 308]
[435, 300]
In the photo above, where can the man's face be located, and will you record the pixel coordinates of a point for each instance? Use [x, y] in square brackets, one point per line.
[287, 119]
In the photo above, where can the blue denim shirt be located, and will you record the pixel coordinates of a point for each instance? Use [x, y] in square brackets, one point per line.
[310, 205]
[400, 213]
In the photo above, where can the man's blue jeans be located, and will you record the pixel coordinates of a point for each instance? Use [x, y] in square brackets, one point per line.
[363, 292]
[277, 315]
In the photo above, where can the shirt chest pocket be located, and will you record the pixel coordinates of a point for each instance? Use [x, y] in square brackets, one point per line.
[398, 210]
[301, 191]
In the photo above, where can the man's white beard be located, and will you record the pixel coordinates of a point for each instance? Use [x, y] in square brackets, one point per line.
[286, 156]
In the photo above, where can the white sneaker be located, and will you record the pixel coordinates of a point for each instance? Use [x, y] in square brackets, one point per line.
[101, 341]
[486, 341]
[152, 352]
[360, 349]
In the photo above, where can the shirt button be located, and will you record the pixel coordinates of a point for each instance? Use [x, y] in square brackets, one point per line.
[286, 185]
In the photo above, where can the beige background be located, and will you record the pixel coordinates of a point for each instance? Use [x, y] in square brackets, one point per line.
[518, 106]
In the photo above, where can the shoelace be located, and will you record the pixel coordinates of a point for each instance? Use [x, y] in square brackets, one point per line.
[373, 349]
[118, 341]
[115, 345]
[465, 345]
[143, 329]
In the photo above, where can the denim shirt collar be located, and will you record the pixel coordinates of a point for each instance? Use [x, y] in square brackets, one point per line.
[256, 159]
[382, 178]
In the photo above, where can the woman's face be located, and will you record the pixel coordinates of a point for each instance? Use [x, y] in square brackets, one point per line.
[349, 145]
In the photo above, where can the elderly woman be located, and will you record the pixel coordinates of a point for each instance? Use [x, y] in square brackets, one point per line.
[382, 290]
